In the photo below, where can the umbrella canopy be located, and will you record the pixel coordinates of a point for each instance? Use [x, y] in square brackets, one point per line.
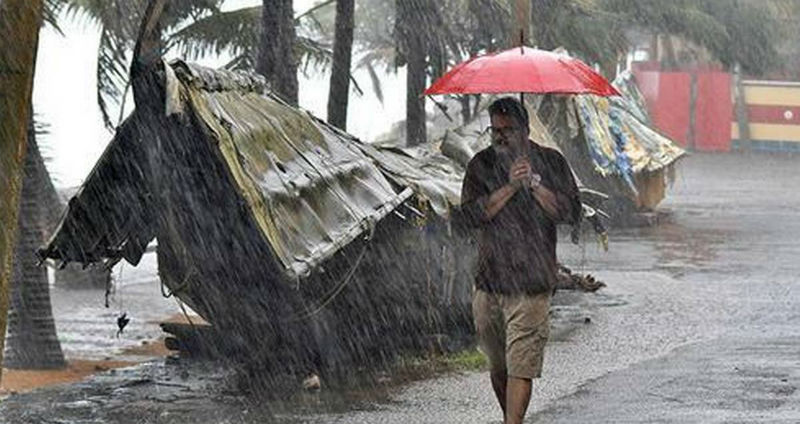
[522, 70]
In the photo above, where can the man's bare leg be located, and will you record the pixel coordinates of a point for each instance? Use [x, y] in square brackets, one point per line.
[518, 396]
[499, 381]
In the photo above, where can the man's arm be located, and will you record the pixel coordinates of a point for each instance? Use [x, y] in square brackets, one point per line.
[562, 204]
[498, 200]
[478, 204]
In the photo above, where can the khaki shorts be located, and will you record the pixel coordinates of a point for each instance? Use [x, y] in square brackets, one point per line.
[512, 331]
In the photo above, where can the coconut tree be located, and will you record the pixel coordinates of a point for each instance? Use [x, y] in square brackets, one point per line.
[412, 45]
[118, 21]
[276, 56]
[193, 29]
[20, 21]
[32, 340]
[339, 92]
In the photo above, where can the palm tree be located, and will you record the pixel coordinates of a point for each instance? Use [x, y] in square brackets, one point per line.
[32, 341]
[119, 25]
[19, 35]
[412, 45]
[339, 92]
[193, 28]
[276, 56]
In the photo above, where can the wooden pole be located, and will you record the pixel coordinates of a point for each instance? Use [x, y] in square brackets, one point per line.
[690, 131]
[521, 29]
[522, 24]
[20, 21]
[740, 103]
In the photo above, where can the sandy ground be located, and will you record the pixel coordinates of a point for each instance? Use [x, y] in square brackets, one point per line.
[22, 381]
[78, 369]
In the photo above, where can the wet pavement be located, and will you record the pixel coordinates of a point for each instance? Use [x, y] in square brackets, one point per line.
[699, 323]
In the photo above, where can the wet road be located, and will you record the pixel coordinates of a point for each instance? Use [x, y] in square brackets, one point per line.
[699, 323]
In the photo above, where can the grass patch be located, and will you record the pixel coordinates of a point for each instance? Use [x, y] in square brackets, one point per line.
[466, 360]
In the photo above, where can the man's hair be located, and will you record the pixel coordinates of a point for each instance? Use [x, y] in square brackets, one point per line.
[511, 107]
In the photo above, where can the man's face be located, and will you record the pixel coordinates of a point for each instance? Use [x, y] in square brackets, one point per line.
[508, 137]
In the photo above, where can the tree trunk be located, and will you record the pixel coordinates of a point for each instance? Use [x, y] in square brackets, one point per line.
[542, 16]
[412, 46]
[466, 110]
[522, 24]
[32, 341]
[339, 92]
[20, 21]
[276, 57]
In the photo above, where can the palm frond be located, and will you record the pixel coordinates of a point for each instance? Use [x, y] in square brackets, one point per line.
[236, 32]
[318, 20]
[50, 12]
[377, 87]
[119, 26]
[312, 55]
[112, 73]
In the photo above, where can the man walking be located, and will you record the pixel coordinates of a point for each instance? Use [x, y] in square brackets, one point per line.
[514, 193]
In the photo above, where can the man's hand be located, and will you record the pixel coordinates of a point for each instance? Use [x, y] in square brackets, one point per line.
[520, 174]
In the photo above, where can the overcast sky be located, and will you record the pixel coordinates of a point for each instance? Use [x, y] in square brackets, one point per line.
[65, 97]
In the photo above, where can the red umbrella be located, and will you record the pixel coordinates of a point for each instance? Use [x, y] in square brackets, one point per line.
[522, 70]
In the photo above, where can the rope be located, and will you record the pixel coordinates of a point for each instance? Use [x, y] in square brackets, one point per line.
[186, 314]
[118, 290]
[181, 287]
[328, 298]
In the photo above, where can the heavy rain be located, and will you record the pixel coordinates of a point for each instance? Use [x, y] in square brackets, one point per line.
[399, 211]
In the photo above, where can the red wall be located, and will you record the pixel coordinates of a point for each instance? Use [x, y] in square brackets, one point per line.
[668, 96]
[713, 114]
[670, 112]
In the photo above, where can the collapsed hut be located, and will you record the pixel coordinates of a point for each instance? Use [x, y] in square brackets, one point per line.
[612, 148]
[300, 244]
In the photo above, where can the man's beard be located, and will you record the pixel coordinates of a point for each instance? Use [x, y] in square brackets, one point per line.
[505, 155]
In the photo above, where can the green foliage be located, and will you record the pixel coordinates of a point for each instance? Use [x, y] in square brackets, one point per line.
[465, 360]
[733, 31]
[754, 33]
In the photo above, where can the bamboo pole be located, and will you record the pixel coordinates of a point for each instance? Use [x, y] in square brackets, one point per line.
[20, 21]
